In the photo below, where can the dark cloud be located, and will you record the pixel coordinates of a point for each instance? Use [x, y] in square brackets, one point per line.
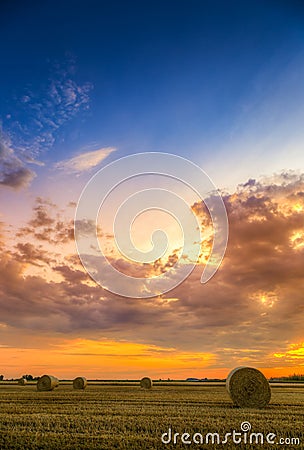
[86, 227]
[73, 277]
[31, 254]
[13, 171]
[41, 217]
[47, 224]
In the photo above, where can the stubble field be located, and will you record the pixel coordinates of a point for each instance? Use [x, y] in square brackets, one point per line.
[123, 416]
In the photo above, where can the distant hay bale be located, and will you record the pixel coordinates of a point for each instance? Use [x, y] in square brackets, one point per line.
[22, 381]
[47, 383]
[146, 383]
[80, 383]
[248, 388]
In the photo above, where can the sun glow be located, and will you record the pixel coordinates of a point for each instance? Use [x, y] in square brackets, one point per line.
[265, 299]
[298, 207]
[297, 240]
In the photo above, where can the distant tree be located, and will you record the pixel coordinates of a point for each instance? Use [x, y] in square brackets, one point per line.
[294, 377]
[1, 377]
[28, 377]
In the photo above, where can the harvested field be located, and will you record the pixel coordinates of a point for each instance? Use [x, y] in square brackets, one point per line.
[106, 416]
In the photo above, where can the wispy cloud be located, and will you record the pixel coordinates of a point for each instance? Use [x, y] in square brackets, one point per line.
[85, 161]
[34, 124]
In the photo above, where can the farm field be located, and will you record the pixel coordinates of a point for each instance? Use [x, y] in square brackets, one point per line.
[113, 416]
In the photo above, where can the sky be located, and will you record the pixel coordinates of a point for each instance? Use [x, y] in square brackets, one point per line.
[219, 83]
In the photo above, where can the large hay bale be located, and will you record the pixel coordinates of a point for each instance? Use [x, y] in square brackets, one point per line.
[22, 381]
[47, 383]
[80, 383]
[248, 388]
[146, 383]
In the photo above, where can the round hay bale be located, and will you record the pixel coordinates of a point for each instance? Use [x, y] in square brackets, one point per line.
[47, 383]
[22, 381]
[248, 388]
[146, 383]
[80, 383]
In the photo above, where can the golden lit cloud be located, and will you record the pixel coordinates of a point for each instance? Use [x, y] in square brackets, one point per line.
[297, 240]
[295, 352]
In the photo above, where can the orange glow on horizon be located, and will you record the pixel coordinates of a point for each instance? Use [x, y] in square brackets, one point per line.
[108, 359]
[105, 359]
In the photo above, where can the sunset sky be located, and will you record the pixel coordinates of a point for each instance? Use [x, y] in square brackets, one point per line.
[219, 83]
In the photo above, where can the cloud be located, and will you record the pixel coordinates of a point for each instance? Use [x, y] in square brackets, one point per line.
[249, 313]
[47, 224]
[41, 214]
[32, 254]
[34, 161]
[13, 171]
[48, 109]
[32, 128]
[85, 161]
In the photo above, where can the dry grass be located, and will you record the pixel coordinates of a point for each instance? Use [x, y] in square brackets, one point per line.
[126, 417]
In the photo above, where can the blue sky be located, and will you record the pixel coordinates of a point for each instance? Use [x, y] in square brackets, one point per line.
[83, 83]
[218, 82]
